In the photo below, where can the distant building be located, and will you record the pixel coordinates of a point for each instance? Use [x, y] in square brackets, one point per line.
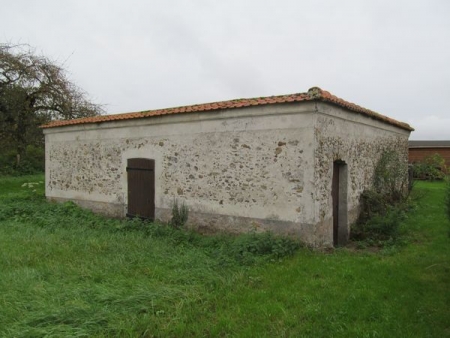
[418, 150]
[292, 164]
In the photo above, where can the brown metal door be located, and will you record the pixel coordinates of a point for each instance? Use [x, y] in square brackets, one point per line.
[335, 196]
[141, 188]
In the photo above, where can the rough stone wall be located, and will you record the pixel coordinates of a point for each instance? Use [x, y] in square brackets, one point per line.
[269, 170]
[357, 142]
[85, 167]
[252, 172]
[246, 173]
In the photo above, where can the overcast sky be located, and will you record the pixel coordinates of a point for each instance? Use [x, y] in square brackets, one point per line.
[389, 56]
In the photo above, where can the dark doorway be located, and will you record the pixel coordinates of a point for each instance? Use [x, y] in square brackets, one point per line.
[339, 197]
[141, 188]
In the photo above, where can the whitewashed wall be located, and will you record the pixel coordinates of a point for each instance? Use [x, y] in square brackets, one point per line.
[266, 168]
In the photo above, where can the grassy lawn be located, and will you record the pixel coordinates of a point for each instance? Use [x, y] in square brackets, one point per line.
[66, 272]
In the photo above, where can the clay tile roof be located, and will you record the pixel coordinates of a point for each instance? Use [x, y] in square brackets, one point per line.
[313, 94]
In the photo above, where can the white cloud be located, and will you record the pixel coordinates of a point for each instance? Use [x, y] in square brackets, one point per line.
[431, 128]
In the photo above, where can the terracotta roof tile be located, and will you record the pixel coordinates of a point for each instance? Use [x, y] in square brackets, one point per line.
[313, 94]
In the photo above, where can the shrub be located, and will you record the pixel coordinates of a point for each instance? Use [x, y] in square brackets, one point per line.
[447, 200]
[32, 162]
[381, 226]
[382, 207]
[372, 203]
[180, 214]
[430, 168]
[391, 177]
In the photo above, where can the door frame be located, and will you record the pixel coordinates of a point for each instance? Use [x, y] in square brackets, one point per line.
[339, 186]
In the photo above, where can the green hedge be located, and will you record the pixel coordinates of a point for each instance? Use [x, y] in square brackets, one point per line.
[32, 162]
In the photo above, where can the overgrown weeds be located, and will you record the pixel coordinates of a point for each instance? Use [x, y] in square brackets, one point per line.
[180, 214]
[244, 249]
[447, 200]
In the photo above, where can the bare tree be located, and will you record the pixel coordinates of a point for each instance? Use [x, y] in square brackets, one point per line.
[35, 90]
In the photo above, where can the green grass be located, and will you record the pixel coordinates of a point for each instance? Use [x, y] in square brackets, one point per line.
[66, 272]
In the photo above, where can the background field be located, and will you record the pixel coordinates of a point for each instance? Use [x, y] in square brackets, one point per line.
[67, 272]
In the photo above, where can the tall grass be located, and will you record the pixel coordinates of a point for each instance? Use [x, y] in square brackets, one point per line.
[65, 272]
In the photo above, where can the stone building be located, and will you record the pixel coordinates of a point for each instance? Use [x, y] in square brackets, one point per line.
[292, 164]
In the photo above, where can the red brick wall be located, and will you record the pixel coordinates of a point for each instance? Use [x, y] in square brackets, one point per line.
[418, 154]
